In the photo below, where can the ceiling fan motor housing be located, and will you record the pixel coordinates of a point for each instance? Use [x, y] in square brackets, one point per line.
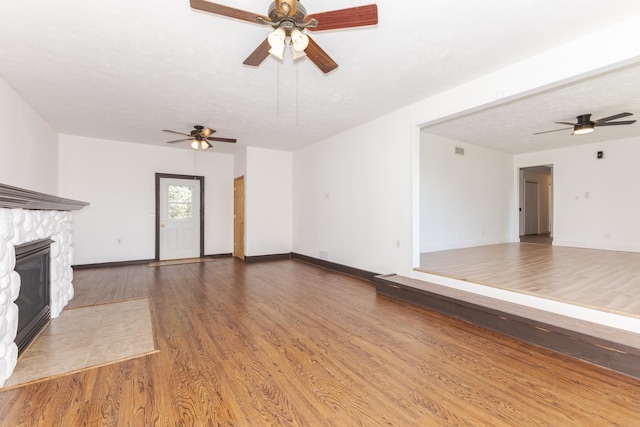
[584, 125]
[281, 18]
[584, 118]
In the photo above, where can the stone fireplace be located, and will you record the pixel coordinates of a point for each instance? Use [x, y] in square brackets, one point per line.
[27, 216]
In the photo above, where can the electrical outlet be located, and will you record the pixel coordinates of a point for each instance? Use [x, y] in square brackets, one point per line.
[324, 254]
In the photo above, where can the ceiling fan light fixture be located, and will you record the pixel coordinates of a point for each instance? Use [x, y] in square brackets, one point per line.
[204, 145]
[299, 40]
[297, 54]
[276, 41]
[194, 144]
[583, 128]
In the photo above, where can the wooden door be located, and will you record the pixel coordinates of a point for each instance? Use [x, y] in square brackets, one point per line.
[238, 217]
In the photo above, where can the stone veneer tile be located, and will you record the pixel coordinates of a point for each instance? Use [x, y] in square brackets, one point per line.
[64, 345]
[86, 328]
[35, 368]
[120, 349]
[88, 336]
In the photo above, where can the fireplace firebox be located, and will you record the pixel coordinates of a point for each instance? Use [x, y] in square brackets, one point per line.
[34, 312]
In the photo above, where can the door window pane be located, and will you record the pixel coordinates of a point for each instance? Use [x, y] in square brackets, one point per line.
[180, 199]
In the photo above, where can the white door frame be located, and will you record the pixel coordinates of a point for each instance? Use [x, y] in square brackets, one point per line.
[201, 210]
[547, 170]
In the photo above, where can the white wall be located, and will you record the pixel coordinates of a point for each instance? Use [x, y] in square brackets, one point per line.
[28, 145]
[465, 200]
[118, 179]
[267, 202]
[596, 202]
[240, 164]
[352, 197]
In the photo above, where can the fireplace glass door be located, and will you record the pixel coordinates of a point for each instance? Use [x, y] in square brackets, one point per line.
[32, 264]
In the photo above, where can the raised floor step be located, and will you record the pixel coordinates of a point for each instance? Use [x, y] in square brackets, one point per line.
[609, 347]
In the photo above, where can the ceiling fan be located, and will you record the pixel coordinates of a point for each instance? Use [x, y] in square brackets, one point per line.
[289, 19]
[586, 125]
[199, 137]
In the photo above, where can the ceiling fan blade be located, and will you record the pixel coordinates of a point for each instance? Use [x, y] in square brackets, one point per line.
[213, 138]
[344, 18]
[555, 130]
[179, 140]
[617, 116]
[320, 57]
[173, 131]
[623, 122]
[206, 132]
[565, 123]
[258, 55]
[219, 9]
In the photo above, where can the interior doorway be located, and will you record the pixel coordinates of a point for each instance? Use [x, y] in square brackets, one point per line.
[179, 216]
[536, 204]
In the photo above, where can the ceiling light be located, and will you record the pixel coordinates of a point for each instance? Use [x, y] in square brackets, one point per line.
[204, 145]
[194, 144]
[582, 128]
[276, 41]
[299, 40]
[297, 55]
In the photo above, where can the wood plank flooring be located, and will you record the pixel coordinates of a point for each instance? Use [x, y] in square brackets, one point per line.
[287, 343]
[604, 280]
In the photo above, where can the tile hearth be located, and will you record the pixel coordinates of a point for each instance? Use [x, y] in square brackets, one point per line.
[86, 337]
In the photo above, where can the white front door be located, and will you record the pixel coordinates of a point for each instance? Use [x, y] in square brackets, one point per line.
[179, 218]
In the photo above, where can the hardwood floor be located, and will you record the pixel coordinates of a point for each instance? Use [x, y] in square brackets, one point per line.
[541, 239]
[603, 280]
[287, 343]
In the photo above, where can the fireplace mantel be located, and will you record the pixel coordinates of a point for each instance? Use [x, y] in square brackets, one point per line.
[18, 198]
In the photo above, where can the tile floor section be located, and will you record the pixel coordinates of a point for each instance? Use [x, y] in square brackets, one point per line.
[84, 337]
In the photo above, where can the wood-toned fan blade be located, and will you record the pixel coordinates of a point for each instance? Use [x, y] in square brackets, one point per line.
[555, 130]
[617, 116]
[219, 9]
[206, 132]
[566, 123]
[344, 18]
[623, 122]
[173, 131]
[214, 138]
[258, 55]
[320, 57]
[179, 140]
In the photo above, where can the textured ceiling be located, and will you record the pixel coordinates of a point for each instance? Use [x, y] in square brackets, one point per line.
[510, 127]
[124, 70]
